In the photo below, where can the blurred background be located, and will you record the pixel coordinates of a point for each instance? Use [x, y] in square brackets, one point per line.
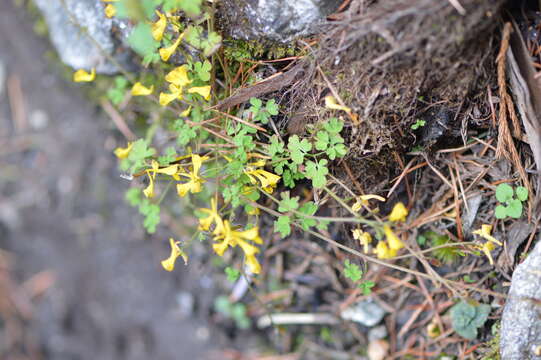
[79, 279]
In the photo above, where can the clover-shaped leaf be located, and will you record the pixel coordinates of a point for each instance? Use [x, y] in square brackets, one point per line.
[467, 318]
[504, 192]
[298, 148]
[316, 171]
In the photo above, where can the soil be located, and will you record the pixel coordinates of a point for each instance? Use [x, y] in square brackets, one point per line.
[103, 292]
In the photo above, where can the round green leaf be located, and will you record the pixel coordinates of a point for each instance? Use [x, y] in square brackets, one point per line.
[514, 209]
[500, 212]
[522, 193]
[504, 192]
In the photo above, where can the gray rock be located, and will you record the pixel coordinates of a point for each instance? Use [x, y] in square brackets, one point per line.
[276, 20]
[521, 327]
[365, 312]
[75, 48]
[2, 77]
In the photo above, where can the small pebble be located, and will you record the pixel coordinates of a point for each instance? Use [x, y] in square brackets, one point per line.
[38, 119]
[366, 313]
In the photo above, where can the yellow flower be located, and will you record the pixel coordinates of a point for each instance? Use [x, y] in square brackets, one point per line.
[363, 200]
[159, 26]
[139, 89]
[213, 217]
[110, 10]
[234, 238]
[176, 93]
[83, 76]
[383, 252]
[194, 185]
[487, 248]
[267, 179]
[394, 241]
[165, 53]
[186, 112]
[204, 91]
[399, 212]
[179, 76]
[123, 153]
[330, 103]
[171, 170]
[363, 237]
[169, 263]
[485, 231]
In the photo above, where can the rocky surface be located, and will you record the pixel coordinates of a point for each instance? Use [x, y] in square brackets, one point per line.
[276, 20]
[521, 325]
[73, 46]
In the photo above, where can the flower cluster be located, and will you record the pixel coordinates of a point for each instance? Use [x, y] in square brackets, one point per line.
[490, 243]
[388, 248]
[226, 236]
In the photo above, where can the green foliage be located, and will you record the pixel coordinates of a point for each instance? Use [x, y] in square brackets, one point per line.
[366, 287]
[352, 271]
[137, 157]
[298, 149]
[283, 225]
[236, 312]
[232, 274]
[151, 212]
[262, 113]
[141, 40]
[418, 124]
[467, 318]
[316, 171]
[510, 205]
[446, 255]
[117, 92]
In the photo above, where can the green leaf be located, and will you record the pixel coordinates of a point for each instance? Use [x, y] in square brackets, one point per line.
[272, 107]
[168, 156]
[333, 125]
[202, 69]
[276, 146]
[308, 208]
[316, 172]
[288, 204]
[522, 193]
[298, 148]
[322, 140]
[500, 212]
[352, 271]
[138, 154]
[192, 8]
[141, 40]
[335, 151]
[185, 132]
[283, 225]
[232, 274]
[152, 215]
[133, 196]
[323, 225]
[514, 208]
[504, 192]
[211, 43]
[467, 318]
[366, 287]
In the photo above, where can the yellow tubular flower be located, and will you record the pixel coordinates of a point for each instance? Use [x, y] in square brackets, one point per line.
[487, 248]
[123, 153]
[330, 103]
[169, 263]
[178, 76]
[194, 185]
[186, 112]
[166, 98]
[165, 53]
[213, 217]
[363, 237]
[485, 231]
[363, 200]
[139, 89]
[394, 242]
[83, 76]
[159, 26]
[399, 212]
[110, 11]
[267, 179]
[204, 91]
[383, 252]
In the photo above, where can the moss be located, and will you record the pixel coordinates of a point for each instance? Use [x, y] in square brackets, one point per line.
[493, 345]
[239, 50]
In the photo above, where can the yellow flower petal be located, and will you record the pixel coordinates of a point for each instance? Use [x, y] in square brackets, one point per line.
[363, 200]
[330, 103]
[204, 91]
[166, 98]
[399, 212]
[394, 241]
[363, 237]
[487, 248]
[253, 264]
[485, 233]
[83, 76]
[179, 76]
[170, 170]
[149, 190]
[186, 112]
[110, 11]
[139, 89]
[165, 53]
[159, 26]
[383, 252]
[169, 263]
[123, 153]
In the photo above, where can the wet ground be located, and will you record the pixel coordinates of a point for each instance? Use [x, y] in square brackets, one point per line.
[100, 292]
